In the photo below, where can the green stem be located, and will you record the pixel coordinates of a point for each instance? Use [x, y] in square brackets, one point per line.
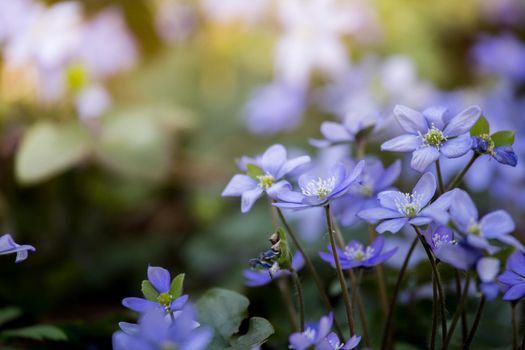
[300, 298]
[434, 315]
[380, 276]
[282, 283]
[393, 299]
[311, 268]
[440, 177]
[475, 325]
[459, 177]
[459, 312]
[360, 148]
[340, 275]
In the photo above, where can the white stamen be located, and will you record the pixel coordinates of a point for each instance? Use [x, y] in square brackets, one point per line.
[320, 187]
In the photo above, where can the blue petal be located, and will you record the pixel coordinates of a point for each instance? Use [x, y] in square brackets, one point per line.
[434, 116]
[291, 165]
[374, 215]
[403, 143]
[456, 147]
[425, 189]
[325, 325]
[516, 263]
[154, 326]
[490, 290]
[335, 132]
[199, 340]
[248, 198]
[463, 122]
[423, 157]
[178, 303]
[392, 225]
[411, 120]
[160, 278]
[515, 292]
[239, 184]
[463, 210]
[505, 155]
[392, 199]
[352, 342]
[510, 278]
[487, 268]
[389, 176]
[496, 224]
[273, 159]
[299, 341]
[511, 241]
[139, 304]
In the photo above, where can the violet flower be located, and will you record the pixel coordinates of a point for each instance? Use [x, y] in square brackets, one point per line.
[156, 332]
[345, 132]
[496, 225]
[161, 280]
[513, 278]
[399, 209]
[257, 278]
[503, 154]
[319, 191]
[356, 255]
[267, 176]
[432, 133]
[320, 337]
[9, 246]
[488, 269]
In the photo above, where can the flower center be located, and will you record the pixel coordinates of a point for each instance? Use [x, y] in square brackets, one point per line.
[165, 299]
[475, 229]
[434, 137]
[409, 205]
[441, 240]
[309, 333]
[357, 253]
[320, 187]
[266, 181]
[490, 143]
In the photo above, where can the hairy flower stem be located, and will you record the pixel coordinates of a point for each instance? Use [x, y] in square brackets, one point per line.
[440, 292]
[388, 323]
[340, 275]
[475, 325]
[300, 298]
[311, 267]
[514, 326]
[459, 311]
[434, 316]
[282, 283]
[440, 177]
[380, 276]
[459, 177]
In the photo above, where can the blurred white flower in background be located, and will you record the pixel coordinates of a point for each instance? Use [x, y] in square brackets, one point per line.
[244, 11]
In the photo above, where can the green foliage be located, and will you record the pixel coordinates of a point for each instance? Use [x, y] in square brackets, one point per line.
[149, 291]
[224, 310]
[8, 314]
[481, 127]
[254, 171]
[503, 138]
[36, 332]
[176, 286]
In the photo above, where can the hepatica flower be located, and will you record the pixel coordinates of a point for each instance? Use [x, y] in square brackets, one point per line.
[357, 255]
[483, 144]
[9, 246]
[398, 209]
[161, 292]
[263, 176]
[257, 278]
[318, 191]
[320, 337]
[514, 277]
[156, 332]
[496, 225]
[432, 133]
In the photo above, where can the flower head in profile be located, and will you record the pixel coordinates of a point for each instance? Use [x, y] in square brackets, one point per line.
[513, 279]
[398, 209]
[9, 246]
[432, 133]
[320, 337]
[483, 144]
[357, 255]
[488, 269]
[261, 277]
[318, 191]
[264, 175]
[497, 225]
[156, 332]
[160, 292]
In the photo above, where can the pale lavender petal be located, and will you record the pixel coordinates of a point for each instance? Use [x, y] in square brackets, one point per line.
[425, 189]
[511, 241]
[463, 122]
[325, 325]
[139, 304]
[403, 143]
[278, 188]
[298, 341]
[457, 146]
[238, 184]
[516, 262]
[490, 290]
[352, 342]
[420, 220]
[392, 199]
[335, 132]
[411, 120]
[463, 210]
[434, 116]
[516, 292]
[488, 269]
[159, 278]
[273, 159]
[249, 197]
[291, 165]
[374, 215]
[392, 225]
[496, 224]
[423, 157]
[389, 176]
[199, 340]
[129, 328]
[178, 303]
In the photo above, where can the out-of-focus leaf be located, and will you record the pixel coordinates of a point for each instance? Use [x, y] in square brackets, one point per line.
[503, 138]
[177, 285]
[149, 291]
[48, 149]
[258, 332]
[37, 332]
[253, 170]
[8, 314]
[481, 127]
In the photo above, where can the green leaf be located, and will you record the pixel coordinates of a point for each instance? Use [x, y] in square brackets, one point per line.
[258, 332]
[36, 332]
[149, 291]
[253, 170]
[481, 127]
[503, 138]
[8, 314]
[222, 310]
[48, 149]
[176, 285]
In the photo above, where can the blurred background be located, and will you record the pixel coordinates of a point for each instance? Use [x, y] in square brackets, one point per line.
[120, 123]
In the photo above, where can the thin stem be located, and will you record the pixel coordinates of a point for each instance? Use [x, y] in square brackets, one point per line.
[464, 324]
[380, 276]
[393, 299]
[342, 281]
[475, 325]
[459, 177]
[282, 283]
[514, 327]
[434, 315]
[300, 298]
[311, 267]
[440, 177]
[356, 299]
[441, 293]
[460, 310]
